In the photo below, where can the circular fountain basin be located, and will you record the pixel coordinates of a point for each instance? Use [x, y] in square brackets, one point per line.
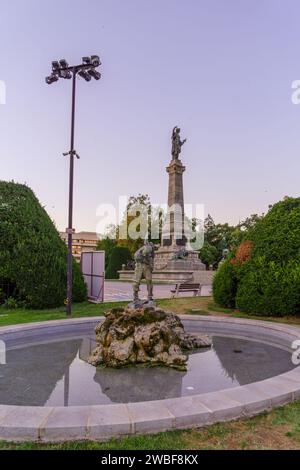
[49, 392]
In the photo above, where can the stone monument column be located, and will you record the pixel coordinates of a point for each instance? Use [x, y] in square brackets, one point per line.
[174, 239]
[173, 230]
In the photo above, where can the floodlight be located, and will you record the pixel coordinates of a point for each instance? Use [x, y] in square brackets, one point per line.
[86, 70]
[85, 75]
[86, 60]
[55, 66]
[51, 79]
[95, 60]
[63, 63]
[96, 75]
[66, 74]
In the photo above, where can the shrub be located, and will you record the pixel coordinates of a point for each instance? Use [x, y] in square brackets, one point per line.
[243, 253]
[119, 255]
[32, 254]
[11, 303]
[265, 275]
[225, 285]
[270, 289]
[277, 235]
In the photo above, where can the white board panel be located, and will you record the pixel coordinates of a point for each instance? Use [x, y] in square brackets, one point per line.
[93, 270]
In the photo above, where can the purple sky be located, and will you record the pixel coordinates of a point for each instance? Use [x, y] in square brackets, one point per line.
[222, 70]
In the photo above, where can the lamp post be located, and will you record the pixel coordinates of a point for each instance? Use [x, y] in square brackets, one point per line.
[87, 71]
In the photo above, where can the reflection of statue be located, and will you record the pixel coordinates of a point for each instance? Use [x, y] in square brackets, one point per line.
[176, 143]
[144, 260]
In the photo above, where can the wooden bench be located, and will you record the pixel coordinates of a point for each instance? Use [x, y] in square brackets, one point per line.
[187, 287]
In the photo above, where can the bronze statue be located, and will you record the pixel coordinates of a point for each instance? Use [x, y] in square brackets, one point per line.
[144, 260]
[176, 143]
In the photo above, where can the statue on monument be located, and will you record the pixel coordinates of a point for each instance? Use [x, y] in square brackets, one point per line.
[177, 143]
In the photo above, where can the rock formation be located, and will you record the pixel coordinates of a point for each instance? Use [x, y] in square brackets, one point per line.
[147, 336]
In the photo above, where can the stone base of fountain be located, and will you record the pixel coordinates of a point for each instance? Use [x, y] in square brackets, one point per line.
[148, 336]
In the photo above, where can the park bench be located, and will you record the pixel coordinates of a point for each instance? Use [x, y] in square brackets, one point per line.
[187, 287]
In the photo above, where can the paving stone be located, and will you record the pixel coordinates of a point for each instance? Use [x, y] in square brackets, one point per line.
[4, 410]
[221, 406]
[106, 421]
[24, 422]
[253, 400]
[294, 373]
[188, 411]
[292, 381]
[65, 423]
[277, 390]
[150, 416]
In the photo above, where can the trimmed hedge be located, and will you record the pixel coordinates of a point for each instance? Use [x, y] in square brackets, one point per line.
[225, 285]
[119, 255]
[270, 289]
[263, 275]
[32, 254]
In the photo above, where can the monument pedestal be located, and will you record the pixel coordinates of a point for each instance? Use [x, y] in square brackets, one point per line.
[167, 265]
[165, 260]
[168, 277]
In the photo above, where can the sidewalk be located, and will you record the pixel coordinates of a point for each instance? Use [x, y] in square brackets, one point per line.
[118, 291]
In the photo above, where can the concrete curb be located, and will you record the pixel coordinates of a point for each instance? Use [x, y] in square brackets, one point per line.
[20, 423]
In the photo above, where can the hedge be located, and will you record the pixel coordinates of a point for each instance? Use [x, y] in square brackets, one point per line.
[262, 277]
[32, 254]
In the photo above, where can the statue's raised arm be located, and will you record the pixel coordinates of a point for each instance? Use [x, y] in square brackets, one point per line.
[176, 143]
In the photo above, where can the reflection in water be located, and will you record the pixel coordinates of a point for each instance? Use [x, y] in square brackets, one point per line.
[31, 373]
[139, 383]
[250, 361]
[57, 374]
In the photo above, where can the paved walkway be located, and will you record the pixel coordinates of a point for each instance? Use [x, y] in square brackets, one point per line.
[118, 291]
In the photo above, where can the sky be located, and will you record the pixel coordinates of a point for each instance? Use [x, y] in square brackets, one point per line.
[222, 70]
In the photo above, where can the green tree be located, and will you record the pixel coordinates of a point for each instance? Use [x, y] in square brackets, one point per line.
[106, 244]
[119, 255]
[220, 236]
[209, 255]
[32, 255]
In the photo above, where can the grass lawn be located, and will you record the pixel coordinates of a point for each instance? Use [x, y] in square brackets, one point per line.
[85, 309]
[180, 305]
[278, 429]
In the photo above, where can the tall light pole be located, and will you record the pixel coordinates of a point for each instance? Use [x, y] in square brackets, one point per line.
[87, 71]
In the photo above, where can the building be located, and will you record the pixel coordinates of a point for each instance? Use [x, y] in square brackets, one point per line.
[82, 241]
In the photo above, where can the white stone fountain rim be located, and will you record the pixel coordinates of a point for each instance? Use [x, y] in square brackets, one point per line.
[101, 422]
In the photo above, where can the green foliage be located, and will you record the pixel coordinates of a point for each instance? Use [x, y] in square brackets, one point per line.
[32, 255]
[209, 255]
[106, 244]
[225, 285]
[277, 235]
[10, 303]
[270, 288]
[219, 236]
[268, 283]
[79, 286]
[120, 255]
